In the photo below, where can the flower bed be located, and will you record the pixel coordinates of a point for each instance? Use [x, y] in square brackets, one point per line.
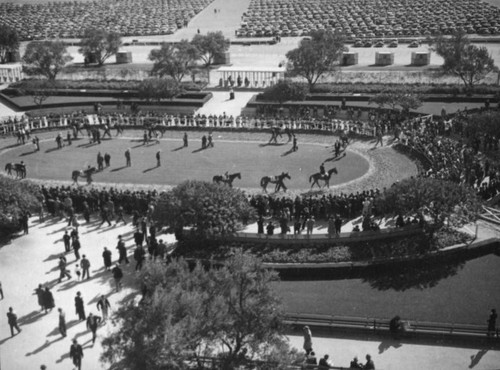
[327, 252]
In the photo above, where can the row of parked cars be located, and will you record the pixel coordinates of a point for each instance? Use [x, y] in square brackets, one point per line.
[369, 19]
[70, 19]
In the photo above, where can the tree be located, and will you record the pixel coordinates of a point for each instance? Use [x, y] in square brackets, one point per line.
[316, 56]
[209, 208]
[189, 313]
[462, 59]
[441, 202]
[174, 60]
[284, 91]
[156, 89]
[9, 42]
[210, 45]
[406, 99]
[45, 58]
[16, 198]
[99, 43]
[40, 90]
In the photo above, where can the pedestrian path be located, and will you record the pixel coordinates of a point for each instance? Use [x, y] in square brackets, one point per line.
[226, 19]
[32, 259]
[220, 103]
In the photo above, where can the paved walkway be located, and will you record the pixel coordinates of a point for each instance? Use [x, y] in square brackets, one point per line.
[32, 259]
[220, 103]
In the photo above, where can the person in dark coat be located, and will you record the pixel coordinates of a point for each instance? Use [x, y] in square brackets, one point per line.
[48, 300]
[76, 247]
[260, 225]
[39, 292]
[67, 241]
[62, 322]
[139, 256]
[93, 322]
[117, 275]
[79, 306]
[106, 256]
[492, 323]
[122, 250]
[12, 320]
[138, 238]
[107, 159]
[76, 354]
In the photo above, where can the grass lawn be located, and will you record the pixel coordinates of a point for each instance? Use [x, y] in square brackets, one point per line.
[253, 159]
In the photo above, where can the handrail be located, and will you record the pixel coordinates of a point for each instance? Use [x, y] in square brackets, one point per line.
[378, 324]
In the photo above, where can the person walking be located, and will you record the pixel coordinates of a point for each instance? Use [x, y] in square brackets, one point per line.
[492, 324]
[338, 225]
[62, 269]
[117, 275]
[105, 216]
[12, 320]
[67, 241]
[185, 140]
[119, 215]
[128, 158]
[122, 251]
[62, 322]
[379, 136]
[76, 354]
[39, 293]
[139, 256]
[93, 322]
[79, 306]
[307, 340]
[310, 225]
[107, 159]
[103, 305]
[76, 247]
[106, 256]
[158, 158]
[85, 263]
[48, 300]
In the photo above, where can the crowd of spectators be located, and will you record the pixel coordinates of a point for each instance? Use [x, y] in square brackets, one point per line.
[308, 119]
[360, 19]
[69, 19]
[453, 152]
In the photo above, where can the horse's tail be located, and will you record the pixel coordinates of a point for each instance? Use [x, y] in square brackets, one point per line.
[215, 179]
[263, 181]
[8, 166]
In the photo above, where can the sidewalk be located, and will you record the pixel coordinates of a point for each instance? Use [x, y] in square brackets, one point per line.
[32, 259]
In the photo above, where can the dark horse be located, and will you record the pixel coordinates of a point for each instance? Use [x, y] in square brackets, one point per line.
[325, 177]
[229, 180]
[18, 167]
[83, 173]
[278, 180]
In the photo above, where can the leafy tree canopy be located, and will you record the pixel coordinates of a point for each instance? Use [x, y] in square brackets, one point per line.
[210, 45]
[16, 198]
[209, 208]
[316, 56]
[100, 43]
[462, 59]
[9, 41]
[284, 90]
[406, 99]
[45, 58]
[158, 89]
[441, 202]
[188, 313]
[174, 60]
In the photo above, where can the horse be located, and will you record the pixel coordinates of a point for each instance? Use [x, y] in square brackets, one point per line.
[278, 180]
[8, 168]
[229, 181]
[325, 177]
[19, 168]
[83, 173]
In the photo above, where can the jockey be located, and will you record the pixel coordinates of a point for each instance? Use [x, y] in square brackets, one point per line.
[322, 171]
